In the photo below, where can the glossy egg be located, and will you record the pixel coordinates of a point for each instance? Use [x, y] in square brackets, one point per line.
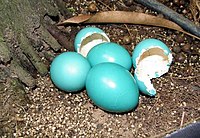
[89, 37]
[110, 52]
[69, 70]
[112, 88]
[151, 59]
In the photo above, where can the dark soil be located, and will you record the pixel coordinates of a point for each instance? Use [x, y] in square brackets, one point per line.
[54, 113]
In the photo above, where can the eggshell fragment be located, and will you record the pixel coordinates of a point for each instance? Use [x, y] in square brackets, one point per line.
[151, 59]
[89, 37]
[112, 88]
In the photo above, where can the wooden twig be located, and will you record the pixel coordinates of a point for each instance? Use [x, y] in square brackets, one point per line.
[112, 10]
[5, 101]
[60, 37]
[172, 15]
[105, 5]
[20, 107]
[125, 18]
[128, 30]
[182, 119]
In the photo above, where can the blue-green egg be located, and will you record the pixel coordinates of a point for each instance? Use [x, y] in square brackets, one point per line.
[110, 52]
[87, 38]
[112, 88]
[69, 70]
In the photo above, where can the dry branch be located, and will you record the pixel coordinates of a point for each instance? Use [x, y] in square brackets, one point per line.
[60, 37]
[185, 23]
[125, 17]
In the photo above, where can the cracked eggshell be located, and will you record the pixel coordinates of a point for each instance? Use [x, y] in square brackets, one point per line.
[146, 45]
[87, 38]
[112, 88]
[151, 59]
[145, 87]
[110, 52]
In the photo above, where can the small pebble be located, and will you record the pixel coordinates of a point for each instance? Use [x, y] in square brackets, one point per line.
[180, 58]
[182, 2]
[179, 10]
[177, 2]
[186, 48]
[176, 49]
[184, 11]
[128, 2]
[127, 40]
[179, 39]
[92, 7]
[194, 58]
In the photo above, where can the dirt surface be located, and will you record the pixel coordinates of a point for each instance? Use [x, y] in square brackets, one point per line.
[54, 113]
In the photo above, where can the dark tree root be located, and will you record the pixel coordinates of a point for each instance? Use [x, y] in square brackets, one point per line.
[185, 23]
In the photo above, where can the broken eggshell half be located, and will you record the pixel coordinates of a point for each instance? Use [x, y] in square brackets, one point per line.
[87, 38]
[151, 59]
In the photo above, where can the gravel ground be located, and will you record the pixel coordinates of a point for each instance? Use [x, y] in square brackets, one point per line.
[54, 113]
[58, 114]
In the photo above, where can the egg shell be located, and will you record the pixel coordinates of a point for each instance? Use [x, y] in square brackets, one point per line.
[150, 91]
[69, 70]
[112, 88]
[146, 45]
[151, 59]
[110, 52]
[86, 33]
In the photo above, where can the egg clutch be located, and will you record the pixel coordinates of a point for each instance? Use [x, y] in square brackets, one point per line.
[103, 68]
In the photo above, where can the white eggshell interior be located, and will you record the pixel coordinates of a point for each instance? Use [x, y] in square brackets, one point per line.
[86, 48]
[91, 42]
[152, 65]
